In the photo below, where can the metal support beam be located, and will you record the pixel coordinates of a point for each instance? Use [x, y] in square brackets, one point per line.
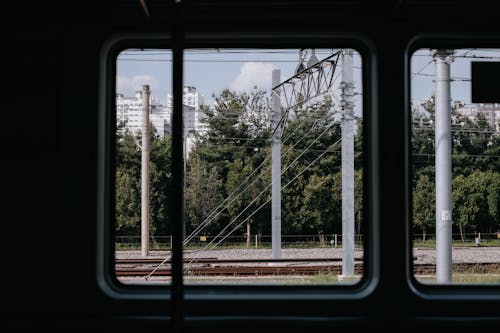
[145, 172]
[305, 85]
[276, 168]
[442, 59]
[308, 83]
[347, 107]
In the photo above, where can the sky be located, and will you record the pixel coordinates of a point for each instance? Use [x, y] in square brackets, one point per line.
[423, 69]
[212, 70]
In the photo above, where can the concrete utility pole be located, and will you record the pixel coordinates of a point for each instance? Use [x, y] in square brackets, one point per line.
[145, 172]
[347, 107]
[185, 132]
[276, 167]
[443, 59]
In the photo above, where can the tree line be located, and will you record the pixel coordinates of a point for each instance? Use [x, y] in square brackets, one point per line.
[475, 172]
[229, 169]
[228, 172]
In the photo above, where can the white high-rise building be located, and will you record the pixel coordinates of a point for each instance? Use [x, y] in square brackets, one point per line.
[491, 112]
[192, 101]
[129, 110]
[190, 97]
[193, 116]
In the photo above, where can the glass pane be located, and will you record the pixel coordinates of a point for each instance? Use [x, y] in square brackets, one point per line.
[264, 166]
[455, 170]
[142, 165]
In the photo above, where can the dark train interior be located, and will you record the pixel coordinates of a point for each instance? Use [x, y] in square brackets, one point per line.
[54, 276]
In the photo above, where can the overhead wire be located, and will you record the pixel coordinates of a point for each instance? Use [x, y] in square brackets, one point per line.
[211, 216]
[286, 168]
[282, 172]
[206, 222]
[296, 159]
[256, 210]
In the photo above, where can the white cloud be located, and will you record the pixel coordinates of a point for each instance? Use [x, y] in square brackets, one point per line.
[128, 86]
[253, 74]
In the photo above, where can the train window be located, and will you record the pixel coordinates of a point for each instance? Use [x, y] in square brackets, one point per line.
[274, 166]
[455, 169]
[142, 172]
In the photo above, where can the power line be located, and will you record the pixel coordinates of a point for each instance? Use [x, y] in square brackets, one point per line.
[217, 60]
[257, 147]
[205, 60]
[479, 57]
[460, 130]
[221, 51]
[207, 220]
[453, 78]
[255, 210]
[224, 205]
[459, 155]
[421, 69]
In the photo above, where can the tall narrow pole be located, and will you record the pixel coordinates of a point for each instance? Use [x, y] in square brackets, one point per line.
[442, 59]
[276, 168]
[347, 106]
[145, 172]
[184, 186]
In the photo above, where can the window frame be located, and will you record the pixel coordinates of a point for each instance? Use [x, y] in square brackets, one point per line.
[117, 290]
[438, 292]
[106, 278]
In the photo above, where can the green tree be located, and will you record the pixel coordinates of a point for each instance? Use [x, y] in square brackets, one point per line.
[310, 147]
[358, 200]
[475, 145]
[422, 136]
[493, 198]
[248, 189]
[236, 146]
[424, 204]
[160, 182]
[203, 195]
[466, 202]
[128, 182]
[236, 139]
[128, 209]
[486, 188]
[471, 140]
[320, 210]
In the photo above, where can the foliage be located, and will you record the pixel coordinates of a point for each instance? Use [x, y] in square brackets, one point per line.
[475, 165]
[128, 183]
[231, 160]
[424, 204]
[228, 173]
[203, 193]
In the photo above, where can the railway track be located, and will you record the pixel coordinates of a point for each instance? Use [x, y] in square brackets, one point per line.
[153, 261]
[240, 271]
[273, 267]
[465, 267]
